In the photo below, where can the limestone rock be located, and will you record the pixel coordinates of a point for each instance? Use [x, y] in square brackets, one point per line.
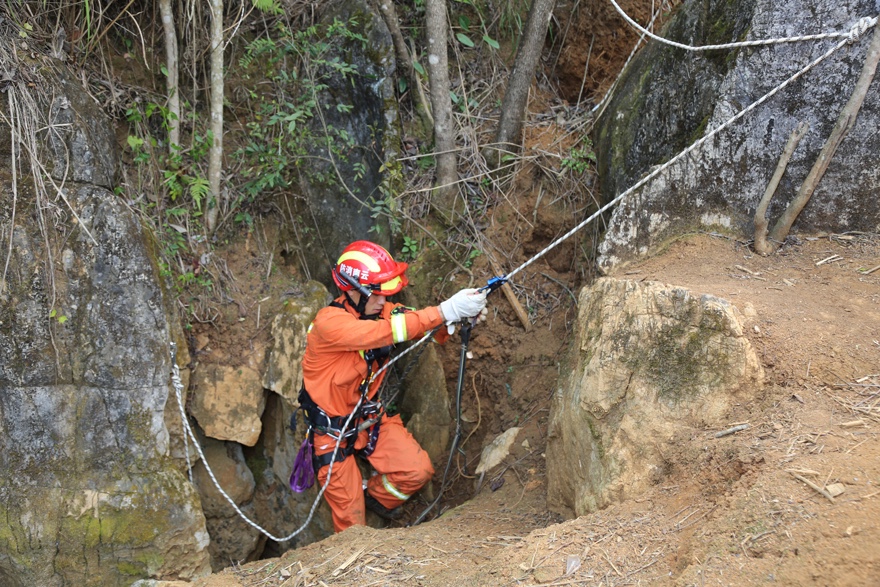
[232, 538]
[649, 360]
[88, 493]
[83, 147]
[289, 328]
[668, 98]
[229, 401]
[494, 452]
[227, 463]
[426, 404]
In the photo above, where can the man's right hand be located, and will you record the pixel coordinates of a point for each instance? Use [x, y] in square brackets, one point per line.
[467, 303]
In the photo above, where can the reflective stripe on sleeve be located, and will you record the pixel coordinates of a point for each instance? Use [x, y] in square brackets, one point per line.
[398, 328]
[392, 489]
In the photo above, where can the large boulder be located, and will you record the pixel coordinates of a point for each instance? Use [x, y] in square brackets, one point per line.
[649, 361]
[228, 400]
[243, 405]
[425, 404]
[89, 491]
[668, 98]
[283, 373]
[232, 538]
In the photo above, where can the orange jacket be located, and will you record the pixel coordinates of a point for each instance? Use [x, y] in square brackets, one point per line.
[334, 366]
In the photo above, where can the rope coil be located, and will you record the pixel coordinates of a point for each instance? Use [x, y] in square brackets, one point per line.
[860, 28]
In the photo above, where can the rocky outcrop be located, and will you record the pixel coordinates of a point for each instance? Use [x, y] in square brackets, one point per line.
[668, 98]
[232, 539]
[283, 373]
[360, 114]
[648, 362]
[89, 494]
[229, 400]
[242, 403]
[425, 404]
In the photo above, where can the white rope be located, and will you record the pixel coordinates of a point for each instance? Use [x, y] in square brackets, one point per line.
[851, 35]
[691, 148]
[178, 387]
[628, 59]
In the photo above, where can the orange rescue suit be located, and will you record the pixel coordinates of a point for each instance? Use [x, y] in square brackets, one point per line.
[333, 370]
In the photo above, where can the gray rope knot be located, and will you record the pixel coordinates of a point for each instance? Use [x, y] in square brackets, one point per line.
[860, 28]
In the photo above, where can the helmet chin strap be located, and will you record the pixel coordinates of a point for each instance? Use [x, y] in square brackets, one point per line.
[360, 307]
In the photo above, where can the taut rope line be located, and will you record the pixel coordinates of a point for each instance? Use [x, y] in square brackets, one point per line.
[688, 150]
[851, 35]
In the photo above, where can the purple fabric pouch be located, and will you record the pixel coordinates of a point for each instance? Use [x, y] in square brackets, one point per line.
[303, 475]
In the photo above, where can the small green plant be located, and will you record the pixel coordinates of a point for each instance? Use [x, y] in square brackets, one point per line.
[465, 23]
[410, 249]
[472, 257]
[60, 318]
[581, 158]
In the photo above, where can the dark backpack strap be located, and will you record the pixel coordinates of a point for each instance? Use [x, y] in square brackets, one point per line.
[346, 449]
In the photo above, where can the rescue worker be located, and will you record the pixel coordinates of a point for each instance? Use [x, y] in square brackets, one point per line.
[347, 343]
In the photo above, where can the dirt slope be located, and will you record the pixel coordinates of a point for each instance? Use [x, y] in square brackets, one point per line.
[734, 510]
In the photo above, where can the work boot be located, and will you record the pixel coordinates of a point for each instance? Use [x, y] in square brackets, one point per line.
[380, 510]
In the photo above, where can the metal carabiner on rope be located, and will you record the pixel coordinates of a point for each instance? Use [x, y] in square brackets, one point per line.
[494, 284]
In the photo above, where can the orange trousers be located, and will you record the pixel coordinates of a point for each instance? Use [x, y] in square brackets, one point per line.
[401, 466]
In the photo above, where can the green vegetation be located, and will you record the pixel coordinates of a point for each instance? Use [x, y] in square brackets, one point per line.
[581, 158]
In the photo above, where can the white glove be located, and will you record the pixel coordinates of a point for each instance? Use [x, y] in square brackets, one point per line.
[465, 304]
[481, 317]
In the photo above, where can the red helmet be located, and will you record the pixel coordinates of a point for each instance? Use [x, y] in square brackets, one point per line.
[372, 266]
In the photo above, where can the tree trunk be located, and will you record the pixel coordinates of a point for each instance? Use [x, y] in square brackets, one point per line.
[173, 76]
[513, 107]
[762, 247]
[215, 161]
[405, 61]
[844, 123]
[446, 188]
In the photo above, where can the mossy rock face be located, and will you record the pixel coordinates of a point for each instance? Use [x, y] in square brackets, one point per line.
[113, 535]
[669, 98]
[88, 492]
[667, 95]
[650, 360]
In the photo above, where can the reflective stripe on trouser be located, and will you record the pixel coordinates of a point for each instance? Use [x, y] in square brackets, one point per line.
[398, 461]
[390, 488]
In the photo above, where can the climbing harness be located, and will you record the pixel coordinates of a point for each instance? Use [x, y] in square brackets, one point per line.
[862, 26]
[368, 416]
